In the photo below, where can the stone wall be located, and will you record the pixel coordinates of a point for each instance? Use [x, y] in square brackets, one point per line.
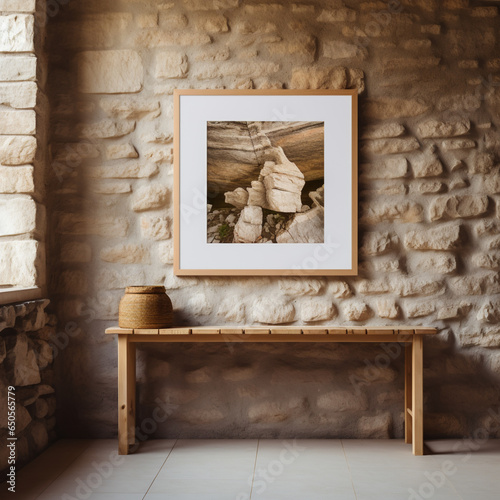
[428, 74]
[23, 127]
[27, 333]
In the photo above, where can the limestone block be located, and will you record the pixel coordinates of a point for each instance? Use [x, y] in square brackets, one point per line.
[489, 312]
[41, 408]
[268, 412]
[17, 150]
[481, 163]
[373, 286]
[443, 237]
[147, 20]
[491, 183]
[340, 15]
[487, 260]
[342, 400]
[17, 180]
[453, 144]
[22, 359]
[171, 65]
[339, 289]
[487, 227]
[419, 309]
[44, 354]
[210, 4]
[318, 78]
[392, 168]
[273, 312]
[19, 215]
[238, 69]
[301, 286]
[105, 129]
[436, 128]
[430, 29]
[239, 197]
[426, 166]
[17, 33]
[410, 287]
[458, 206]
[405, 211]
[431, 262]
[392, 107]
[211, 23]
[486, 337]
[383, 131]
[356, 311]
[233, 310]
[301, 45]
[427, 187]
[127, 170]
[467, 285]
[166, 252]
[18, 94]
[125, 254]
[378, 243]
[131, 108]
[390, 146]
[76, 252]
[77, 224]
[306, 227]
[17, 122]
[337, 49]
[160, 38]
[39, 435]
[149, 197]
[312, 310]
[249, 226]
[110, 72]
[387, 308]
[377, 427]
[453, 311]
[120, 151]
[17, 5]
[17, 67]
[156, 228]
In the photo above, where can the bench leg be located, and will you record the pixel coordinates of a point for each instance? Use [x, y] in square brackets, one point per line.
[408, 395]
[126, 394]
[417, 395]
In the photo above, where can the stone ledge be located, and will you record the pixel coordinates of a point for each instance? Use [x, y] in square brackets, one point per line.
[13, 294]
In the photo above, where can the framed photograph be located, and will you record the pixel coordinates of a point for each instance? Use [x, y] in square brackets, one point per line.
[265, 182]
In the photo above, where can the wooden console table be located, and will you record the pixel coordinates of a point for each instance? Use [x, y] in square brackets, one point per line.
[411, 336]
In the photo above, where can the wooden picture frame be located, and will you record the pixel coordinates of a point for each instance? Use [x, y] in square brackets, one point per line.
[268, 143]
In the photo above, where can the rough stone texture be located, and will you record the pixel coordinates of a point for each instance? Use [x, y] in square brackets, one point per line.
[27, 364]
[110, 72]
[456, 207]
[17, 68]
[424, 141]
[16, 33]
[17, 150]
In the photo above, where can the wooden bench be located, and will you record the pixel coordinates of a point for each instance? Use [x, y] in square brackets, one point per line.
[411, 336]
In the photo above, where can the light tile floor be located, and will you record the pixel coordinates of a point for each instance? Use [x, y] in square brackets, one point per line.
[203, 469]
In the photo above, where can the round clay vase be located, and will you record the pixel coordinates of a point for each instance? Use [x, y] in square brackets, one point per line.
[145, 307]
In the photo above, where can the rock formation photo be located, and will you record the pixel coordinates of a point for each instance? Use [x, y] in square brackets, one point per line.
[265, 182]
